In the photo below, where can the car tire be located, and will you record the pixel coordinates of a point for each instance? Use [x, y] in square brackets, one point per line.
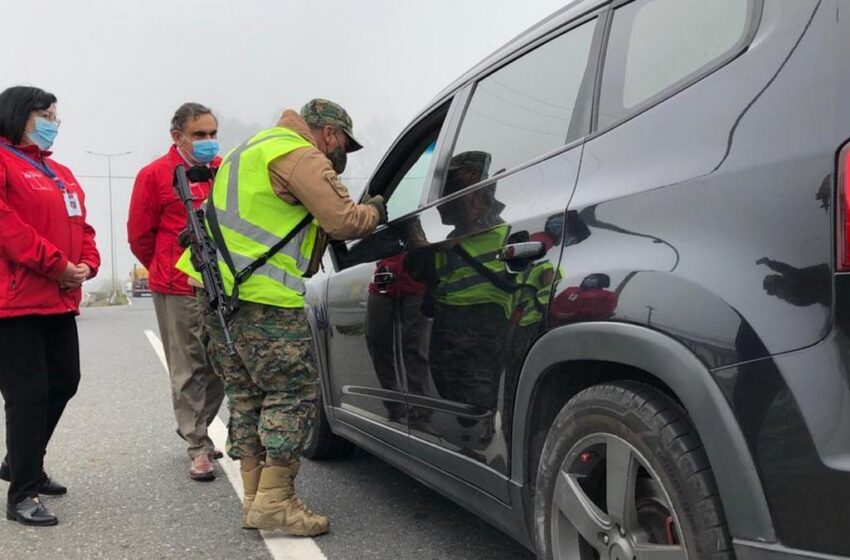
[663, 497]
[322, 443]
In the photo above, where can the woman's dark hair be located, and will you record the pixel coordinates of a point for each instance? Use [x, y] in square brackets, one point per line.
[16, 104]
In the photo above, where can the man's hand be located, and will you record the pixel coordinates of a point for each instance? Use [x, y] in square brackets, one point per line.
[378, 202]
[85, 272]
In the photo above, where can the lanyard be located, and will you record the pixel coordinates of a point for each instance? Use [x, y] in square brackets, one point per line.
[41, 166]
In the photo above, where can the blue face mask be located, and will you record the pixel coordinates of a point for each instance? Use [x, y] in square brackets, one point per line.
[44, 133]
[204, 150]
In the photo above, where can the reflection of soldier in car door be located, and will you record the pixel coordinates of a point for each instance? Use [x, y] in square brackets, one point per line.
[471, 305]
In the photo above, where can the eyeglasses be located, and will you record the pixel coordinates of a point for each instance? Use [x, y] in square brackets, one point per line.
[47, 115]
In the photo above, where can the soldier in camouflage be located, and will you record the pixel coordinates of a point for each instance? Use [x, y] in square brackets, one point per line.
[271, 383]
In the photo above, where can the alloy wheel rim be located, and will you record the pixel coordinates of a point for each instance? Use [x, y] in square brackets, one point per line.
[609, 504]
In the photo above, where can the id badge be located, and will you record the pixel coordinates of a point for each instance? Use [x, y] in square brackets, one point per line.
[72, 204]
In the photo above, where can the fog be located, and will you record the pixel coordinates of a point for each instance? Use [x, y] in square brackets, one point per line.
[120, 69]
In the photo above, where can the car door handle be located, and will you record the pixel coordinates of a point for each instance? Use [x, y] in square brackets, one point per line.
[527, 251]
[382, 280]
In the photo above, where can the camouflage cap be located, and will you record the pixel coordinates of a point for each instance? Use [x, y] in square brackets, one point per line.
[467, 169]
[475, 160]
[321, 112]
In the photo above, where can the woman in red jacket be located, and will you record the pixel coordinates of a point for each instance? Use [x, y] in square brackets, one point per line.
[47, 251]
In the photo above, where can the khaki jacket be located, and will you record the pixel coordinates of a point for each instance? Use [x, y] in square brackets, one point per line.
[305, 176]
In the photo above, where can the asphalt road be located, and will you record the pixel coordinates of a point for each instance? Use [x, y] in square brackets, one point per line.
[130, 497]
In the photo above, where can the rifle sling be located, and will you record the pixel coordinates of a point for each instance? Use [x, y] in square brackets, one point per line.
[242, 275]
[246, 272]
[494, 278]
[498, 281]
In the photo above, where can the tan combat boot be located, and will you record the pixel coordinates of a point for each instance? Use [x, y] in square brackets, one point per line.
[277, 508]
[250, 483]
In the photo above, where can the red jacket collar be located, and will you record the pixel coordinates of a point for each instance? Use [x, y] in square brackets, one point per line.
[30, 150]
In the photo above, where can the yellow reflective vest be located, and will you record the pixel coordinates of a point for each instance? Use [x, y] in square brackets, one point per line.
[459, 284]
[533, 299]
[253, 219]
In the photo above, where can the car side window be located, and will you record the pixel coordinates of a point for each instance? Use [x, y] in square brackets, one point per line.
[403, 176]
[524, 110]
[407, 193]
[655, 45]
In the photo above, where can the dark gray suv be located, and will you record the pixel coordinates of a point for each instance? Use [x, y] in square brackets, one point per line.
[609, 313]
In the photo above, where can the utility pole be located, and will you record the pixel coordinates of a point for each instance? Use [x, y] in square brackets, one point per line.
[113, 296]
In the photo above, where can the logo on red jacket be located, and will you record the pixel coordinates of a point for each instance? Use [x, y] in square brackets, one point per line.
[36, 181]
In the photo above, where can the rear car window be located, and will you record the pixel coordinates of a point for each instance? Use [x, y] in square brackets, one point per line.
[524, 110]
[657, 45]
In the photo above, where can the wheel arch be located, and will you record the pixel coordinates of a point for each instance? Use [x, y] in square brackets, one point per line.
[318, 332]
[642, 354]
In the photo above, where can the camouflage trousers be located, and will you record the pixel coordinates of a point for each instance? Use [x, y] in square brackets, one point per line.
[467, 352]
[271, 383]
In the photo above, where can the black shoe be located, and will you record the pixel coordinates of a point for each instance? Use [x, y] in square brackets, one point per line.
[49, 487]
[30, 512]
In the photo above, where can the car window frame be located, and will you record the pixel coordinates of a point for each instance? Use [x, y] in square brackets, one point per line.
[393, 159]
[422, 186]
[754, 18]
[584, 102]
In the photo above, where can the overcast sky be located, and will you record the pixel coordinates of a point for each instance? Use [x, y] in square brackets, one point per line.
[121, 68]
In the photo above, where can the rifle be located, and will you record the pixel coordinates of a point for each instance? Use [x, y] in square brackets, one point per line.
[205, 258]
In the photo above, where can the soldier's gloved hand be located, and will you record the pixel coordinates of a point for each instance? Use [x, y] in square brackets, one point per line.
[378, 202]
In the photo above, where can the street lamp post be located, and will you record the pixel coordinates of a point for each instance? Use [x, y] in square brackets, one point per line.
[113, 297]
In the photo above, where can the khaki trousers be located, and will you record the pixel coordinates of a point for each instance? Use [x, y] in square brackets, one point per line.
[196, 391]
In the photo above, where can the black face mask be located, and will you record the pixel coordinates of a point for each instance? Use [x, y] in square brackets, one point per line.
[338, 157]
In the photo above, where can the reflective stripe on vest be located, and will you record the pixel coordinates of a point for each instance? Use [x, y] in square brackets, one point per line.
[532, 312]
[459, 284]
[253, 219]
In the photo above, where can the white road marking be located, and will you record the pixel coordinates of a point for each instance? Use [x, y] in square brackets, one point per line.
[280, 546]
[157, 347]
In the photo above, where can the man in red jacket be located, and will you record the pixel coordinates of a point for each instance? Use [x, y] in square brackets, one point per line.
[156, 219]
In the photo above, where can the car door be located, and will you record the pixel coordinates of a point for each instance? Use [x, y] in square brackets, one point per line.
[364, 386]
[487, 249]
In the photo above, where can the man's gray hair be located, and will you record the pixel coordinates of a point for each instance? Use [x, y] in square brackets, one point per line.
[189, 112]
